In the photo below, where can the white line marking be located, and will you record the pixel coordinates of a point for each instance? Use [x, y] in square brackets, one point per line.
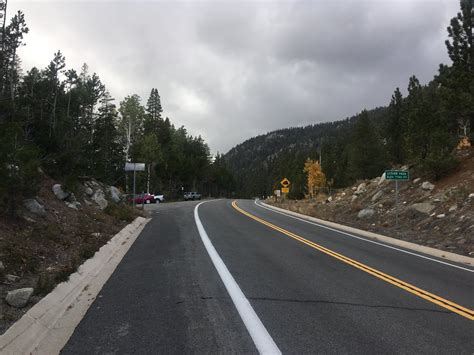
[366, 240]
[260, 336]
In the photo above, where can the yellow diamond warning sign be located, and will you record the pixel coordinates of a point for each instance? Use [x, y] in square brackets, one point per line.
[285, 182]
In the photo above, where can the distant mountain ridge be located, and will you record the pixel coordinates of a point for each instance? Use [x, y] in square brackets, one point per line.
[259, 162]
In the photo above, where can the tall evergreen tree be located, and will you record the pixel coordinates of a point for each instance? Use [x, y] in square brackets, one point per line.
[154, 110]
[108, 160]
[457, 82]
[394, 130]
[460, 45]
[367, 156]
[13, 40]
[53, 70]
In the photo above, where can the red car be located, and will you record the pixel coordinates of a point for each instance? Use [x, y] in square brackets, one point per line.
[142, 198]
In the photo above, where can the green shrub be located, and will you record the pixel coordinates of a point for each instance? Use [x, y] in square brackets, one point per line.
[121, 212]
[437, 167]
[88, 251]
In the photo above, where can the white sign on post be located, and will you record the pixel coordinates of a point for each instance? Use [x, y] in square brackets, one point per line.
[134, 166]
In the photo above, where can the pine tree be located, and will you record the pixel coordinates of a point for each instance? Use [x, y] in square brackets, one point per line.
[154, 110]
[52, 73]
[460, 46]
[394, 130]
[366, 153]
[457, 82]
[108, 159]
[13, 40]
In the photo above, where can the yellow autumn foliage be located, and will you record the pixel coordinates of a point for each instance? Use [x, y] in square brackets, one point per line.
[315, 177]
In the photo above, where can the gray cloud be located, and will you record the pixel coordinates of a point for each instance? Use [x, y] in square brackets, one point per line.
[229, 70]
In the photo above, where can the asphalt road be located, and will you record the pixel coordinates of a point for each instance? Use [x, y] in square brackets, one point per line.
[313, 290]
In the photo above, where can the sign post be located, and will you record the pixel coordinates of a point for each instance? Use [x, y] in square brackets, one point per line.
[397, 175]
[134, 167]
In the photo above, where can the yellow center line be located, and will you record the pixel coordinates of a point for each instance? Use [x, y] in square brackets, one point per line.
[454, 307]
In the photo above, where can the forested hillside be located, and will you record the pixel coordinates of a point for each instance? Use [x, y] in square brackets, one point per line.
[259, 163]
[65, 122]
[420, 130]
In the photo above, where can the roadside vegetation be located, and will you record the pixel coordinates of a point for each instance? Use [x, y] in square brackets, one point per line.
[65, 121]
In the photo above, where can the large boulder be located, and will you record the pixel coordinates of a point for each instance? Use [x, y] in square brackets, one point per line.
[115, 194]
[59, 192]
[99, 199]
[2, 267]
[365, 213]
[34, 206]
[428, 186]
[20, 297]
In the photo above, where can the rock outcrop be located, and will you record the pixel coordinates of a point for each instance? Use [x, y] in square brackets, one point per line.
[99, 199]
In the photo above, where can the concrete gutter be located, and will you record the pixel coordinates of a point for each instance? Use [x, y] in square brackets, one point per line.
[49, 324]
[381, 238]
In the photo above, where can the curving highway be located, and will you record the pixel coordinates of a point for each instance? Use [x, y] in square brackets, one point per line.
[225, 276]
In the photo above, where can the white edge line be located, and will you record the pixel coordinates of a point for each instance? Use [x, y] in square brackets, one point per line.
[364, 239]
[260, 336]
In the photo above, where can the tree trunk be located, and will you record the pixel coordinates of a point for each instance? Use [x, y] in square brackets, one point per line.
[52, 122]
[148, 180]
[68, 103]
[12, 86]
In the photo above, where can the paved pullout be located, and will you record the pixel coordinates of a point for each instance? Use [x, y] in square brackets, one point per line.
[166, 297]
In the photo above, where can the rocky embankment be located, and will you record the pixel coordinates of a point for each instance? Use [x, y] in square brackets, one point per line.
[436, 214]
[54, 232]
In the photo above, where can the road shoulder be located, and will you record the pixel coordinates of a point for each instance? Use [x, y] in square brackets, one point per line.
[378, 237]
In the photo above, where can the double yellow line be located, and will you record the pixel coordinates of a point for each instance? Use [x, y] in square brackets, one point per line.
[454, 307]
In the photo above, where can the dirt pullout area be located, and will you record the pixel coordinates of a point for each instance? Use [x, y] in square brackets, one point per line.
[436, 214]
[50, 238]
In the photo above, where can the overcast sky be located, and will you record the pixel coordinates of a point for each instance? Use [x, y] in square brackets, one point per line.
[229, 70]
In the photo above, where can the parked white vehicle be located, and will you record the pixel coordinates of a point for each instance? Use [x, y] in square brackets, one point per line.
[159, 198]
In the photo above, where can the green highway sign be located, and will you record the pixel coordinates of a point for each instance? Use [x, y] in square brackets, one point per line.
[397, 175]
